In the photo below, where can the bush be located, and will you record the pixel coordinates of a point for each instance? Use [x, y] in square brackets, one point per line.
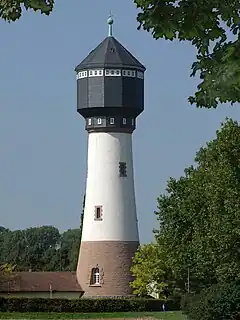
[85, 305]
[219, 302]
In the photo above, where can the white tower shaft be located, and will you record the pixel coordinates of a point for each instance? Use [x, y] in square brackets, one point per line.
[109, 189]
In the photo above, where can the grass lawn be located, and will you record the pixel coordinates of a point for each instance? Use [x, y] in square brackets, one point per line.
[120, 315]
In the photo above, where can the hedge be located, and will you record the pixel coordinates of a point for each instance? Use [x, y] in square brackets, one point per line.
[219, 302]
[85, 305]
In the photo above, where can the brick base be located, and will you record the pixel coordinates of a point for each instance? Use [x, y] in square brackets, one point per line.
[114, 260]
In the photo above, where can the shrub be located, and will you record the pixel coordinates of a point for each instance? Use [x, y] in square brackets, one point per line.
[219, 302]
[85, 305]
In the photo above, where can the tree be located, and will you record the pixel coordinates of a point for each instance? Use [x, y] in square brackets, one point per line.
[150, 272]
[11, 10]
[208, 25]
[82, 216]
[68, 253]
[40, 249]
[199, 216]
[221, 301]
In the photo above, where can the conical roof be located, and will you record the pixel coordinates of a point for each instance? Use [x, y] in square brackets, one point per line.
[110, 54]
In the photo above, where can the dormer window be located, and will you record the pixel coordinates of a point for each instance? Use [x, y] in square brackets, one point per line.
[99, 121]
[124, 121]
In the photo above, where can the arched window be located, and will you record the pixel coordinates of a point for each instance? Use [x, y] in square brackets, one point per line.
[95, 276]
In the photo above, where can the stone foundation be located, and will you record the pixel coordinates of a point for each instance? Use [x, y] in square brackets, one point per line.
[114, 260]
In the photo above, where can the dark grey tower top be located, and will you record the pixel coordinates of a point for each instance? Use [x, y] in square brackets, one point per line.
[110, 83]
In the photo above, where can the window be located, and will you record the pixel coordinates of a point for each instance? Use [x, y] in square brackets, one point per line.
[113, 72]
[132, 122]
[129, 73]
[81, 74]
[111, 120]
[95, 73]
[124, 121]
[99, 121]
[122, 169]
[95, 276]
[89, 121]
[98, 213]
[140, 75]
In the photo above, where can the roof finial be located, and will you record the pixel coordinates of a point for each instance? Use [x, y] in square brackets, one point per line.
[110, 23]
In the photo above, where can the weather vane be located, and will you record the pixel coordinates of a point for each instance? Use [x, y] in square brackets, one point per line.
[110, 24]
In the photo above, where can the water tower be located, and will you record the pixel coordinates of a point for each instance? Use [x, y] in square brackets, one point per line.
[110, 96]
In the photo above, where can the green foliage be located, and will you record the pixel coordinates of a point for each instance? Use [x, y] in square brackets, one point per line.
[6, 271]
[199, 217]
[68, 252]
[207, 25]
[150, 272]
[219, 302]
[82, 215]
[40, 249]
[84, 305]
[11, 10]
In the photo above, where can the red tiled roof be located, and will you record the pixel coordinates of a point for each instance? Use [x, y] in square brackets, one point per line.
[41, 282]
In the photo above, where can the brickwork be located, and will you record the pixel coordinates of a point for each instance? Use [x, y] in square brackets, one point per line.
[114, 260]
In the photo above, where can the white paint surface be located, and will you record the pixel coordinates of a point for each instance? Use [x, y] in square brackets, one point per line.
[107, 189]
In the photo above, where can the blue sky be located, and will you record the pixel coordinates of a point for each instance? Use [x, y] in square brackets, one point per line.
[43, 143]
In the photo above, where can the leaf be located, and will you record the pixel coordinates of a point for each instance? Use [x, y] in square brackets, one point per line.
[201, 23]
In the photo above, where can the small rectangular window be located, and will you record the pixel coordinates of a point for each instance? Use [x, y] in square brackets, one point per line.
[122, 169]
[89, 122]
[111, 120]
[132, 122]
[98, 213]
[124, 121]
[99, 121]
